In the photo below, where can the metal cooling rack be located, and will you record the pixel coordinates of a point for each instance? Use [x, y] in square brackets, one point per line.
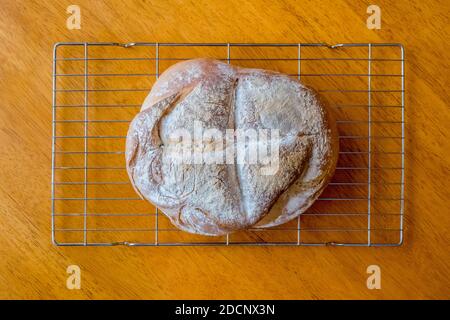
[99, 87]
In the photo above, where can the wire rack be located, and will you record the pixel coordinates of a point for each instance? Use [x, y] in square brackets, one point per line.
[99, 87]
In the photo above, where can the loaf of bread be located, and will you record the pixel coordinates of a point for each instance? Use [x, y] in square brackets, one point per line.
[218, 148]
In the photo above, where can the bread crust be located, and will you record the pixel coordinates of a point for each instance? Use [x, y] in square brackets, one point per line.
[219, 198]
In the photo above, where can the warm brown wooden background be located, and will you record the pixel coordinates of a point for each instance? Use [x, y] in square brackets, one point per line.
[31, 267]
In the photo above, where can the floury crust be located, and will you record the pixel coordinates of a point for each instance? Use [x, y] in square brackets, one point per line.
[215, 199]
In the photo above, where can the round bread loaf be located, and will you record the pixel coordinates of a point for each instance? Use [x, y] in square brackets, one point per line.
[218, 148]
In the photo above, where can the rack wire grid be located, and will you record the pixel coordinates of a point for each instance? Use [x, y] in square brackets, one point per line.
[99, 87]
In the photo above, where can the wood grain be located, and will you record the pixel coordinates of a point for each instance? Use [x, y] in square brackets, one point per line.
[31, 267]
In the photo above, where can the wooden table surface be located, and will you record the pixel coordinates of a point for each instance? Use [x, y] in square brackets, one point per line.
[31, 267]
